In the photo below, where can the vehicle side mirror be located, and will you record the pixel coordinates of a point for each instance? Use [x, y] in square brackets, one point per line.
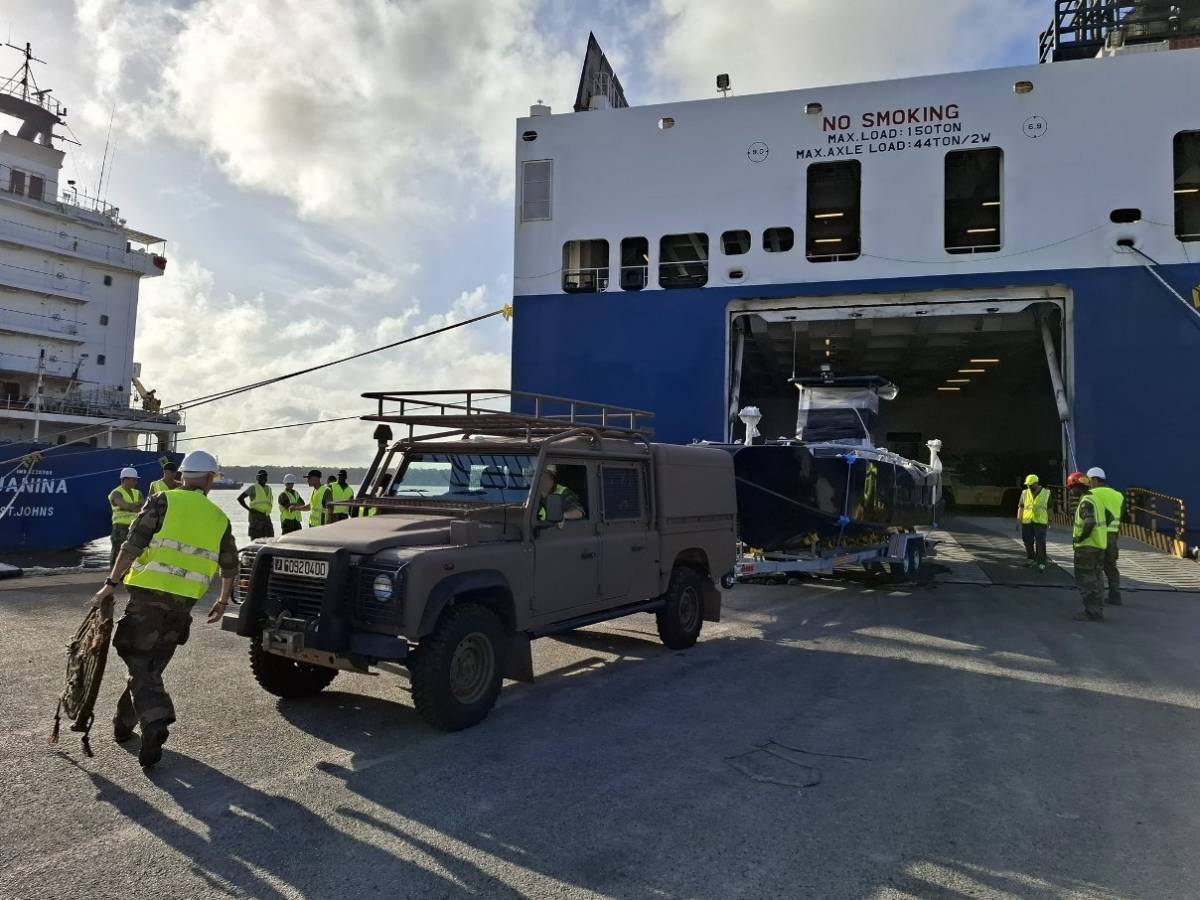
[553, 505]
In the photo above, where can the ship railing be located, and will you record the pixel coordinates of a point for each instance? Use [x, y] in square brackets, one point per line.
[98, 410]
[62, 241]
[585, 281]
[58, 283]
[634, 278]
[1151, 517]
[19, 320]
[1082, 28]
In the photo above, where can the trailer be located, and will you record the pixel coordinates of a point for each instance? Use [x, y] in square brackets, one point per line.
[900, 556]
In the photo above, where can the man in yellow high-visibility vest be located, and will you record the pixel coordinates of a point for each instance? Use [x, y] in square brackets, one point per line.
[1089, 537]
[258, 502]
[1033, 512]
[169, 480]
[339, 490]
[178, 542]
[316, 500]
[291, 504]
[125, 500]
[1113, 502]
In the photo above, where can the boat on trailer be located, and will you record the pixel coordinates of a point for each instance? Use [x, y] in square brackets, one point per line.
[830, 485]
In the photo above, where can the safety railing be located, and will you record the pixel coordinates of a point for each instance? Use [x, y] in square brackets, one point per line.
[1158, 519]
[585, 281]
[1080, 28]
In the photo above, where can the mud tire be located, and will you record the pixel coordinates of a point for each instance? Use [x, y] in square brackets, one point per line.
[285, 677]
[459, 667]
[680, 620]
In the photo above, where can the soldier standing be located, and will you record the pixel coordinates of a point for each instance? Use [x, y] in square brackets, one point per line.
[1089, 537]
[259, 506]
[1112, 502]
[316, 502]
[339, 489]
[290, 506]
[175, 547]
[169, 480]
[125, 500]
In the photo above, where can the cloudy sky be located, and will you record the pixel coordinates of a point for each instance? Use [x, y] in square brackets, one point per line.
[336, 174]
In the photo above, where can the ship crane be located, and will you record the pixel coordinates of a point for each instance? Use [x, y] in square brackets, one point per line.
[150, 403]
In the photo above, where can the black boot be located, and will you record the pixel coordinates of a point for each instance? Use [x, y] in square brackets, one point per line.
[153, 739]
[121, 731]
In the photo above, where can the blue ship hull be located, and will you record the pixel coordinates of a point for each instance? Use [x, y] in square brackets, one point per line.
[1136, 366]
[63, 502]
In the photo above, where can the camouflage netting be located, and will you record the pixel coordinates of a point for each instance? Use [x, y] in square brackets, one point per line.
[86, 657]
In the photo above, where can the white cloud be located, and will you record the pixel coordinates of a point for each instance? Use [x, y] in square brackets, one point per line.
[194, 340]
[352, 110]
[789, 44]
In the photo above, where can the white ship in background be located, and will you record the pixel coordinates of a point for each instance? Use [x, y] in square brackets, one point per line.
[70, 268]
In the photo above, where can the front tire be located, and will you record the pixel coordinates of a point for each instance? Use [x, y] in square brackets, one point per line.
[285, 677]
[680, 620]
[458, 668]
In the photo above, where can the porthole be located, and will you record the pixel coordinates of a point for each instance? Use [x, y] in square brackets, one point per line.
[736, 275]
[529, 136]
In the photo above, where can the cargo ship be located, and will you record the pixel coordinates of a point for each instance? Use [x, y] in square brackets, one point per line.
[73, 409]
[1017, 249]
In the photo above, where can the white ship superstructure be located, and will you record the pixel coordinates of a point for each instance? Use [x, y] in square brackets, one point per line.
[70, 268]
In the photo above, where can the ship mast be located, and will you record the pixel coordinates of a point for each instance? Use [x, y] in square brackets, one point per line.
[26, 73]
[37, 396]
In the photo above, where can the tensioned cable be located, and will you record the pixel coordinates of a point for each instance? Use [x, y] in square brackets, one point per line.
[505, 311]
[1174, 293]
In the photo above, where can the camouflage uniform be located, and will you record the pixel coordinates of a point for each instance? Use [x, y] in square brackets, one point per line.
[1089, 578]
[154, 624]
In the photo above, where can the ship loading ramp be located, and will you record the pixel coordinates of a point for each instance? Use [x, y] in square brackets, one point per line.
[989, 375]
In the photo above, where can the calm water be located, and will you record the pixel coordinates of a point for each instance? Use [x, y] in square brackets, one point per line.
[95, 555]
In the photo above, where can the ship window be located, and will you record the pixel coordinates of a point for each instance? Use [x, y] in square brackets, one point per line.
[778, 240]
[100, 359]
[972, 215]
[103, 319]
[529, 136]
[1187, 186]
[585, 266]
[537, 178]
[734, 243]
[683, 260]
[16, 182]
[108, 281]
[635, 263]
[834, 201]
[37, 187]
[1125, 216]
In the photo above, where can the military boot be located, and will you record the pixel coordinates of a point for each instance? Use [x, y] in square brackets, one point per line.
[121, 731]
[153, 737]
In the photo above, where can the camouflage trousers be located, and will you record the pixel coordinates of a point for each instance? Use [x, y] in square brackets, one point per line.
[119, 533]
[1089, 578]
[154, 624]
[1111, 573]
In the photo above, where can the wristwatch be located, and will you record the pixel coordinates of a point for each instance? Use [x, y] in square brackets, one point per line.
[110, 583]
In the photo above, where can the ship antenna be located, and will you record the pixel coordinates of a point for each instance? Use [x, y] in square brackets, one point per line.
[26, 71]
[104, 159]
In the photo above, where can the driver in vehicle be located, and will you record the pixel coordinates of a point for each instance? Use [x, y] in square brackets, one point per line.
[572, 508]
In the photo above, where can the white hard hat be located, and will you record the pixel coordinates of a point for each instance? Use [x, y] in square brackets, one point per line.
[129, 472]
[289, 479]
[199, 463]
[1096, 472]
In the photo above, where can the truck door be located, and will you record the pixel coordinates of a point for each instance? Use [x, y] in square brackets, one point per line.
[567, 557]
[629, 547]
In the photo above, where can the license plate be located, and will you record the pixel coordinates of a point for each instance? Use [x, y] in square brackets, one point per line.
[303, 568]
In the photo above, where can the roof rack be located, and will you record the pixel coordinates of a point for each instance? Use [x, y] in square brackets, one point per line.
[528, 415]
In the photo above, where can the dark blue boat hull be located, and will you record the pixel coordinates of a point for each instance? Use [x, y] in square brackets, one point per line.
[63, 502]
[790, 493]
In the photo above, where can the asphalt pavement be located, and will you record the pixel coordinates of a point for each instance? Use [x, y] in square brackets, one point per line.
[825, 740]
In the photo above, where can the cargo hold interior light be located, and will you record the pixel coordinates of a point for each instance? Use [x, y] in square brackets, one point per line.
[978, 361]
[971, 371]
[949, 389]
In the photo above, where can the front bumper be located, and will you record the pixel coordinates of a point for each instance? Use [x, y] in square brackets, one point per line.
[362, 647]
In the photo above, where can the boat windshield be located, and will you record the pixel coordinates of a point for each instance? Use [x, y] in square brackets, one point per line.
[845, 415]
[484, 478]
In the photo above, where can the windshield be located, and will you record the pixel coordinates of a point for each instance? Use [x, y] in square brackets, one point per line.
[465, 477]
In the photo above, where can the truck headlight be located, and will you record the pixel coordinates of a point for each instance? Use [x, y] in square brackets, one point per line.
[382, 587]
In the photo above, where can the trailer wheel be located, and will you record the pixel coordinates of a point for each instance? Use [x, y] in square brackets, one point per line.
[285, 677]
[458, 668]
[680, 619]
[914, 555]
[728, 581]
